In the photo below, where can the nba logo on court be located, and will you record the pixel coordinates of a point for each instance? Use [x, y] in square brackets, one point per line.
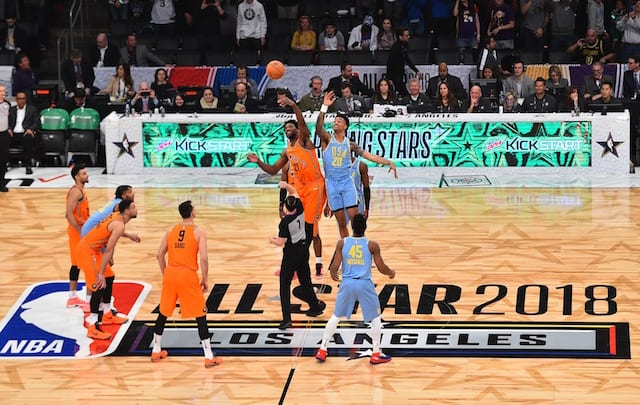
[40, 325]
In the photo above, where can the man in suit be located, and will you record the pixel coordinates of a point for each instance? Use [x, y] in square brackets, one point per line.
[24, 123]
[477, 104]
[103, 54]
[242, 103]
[138, 55]
[519, 83]
[540, 101]
[145, 100]
[76, 73]
[78, 100]
[416, 101]
[349, 103]
[454, 83]
[346, 74]
[592, 82]
[631, 78]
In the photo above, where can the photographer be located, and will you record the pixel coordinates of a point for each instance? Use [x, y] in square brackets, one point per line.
[145, 99]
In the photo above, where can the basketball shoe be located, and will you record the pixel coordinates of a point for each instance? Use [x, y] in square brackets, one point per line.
[155, 357]
[94, 332]
[379, 358]
[110, 318]
[208, 363]
[321, 355]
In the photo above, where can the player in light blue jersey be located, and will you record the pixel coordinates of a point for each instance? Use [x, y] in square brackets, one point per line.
[356, 255]
[336, 154]
[360, 176]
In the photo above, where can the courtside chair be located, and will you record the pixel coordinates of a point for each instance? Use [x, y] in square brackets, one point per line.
[84, 133]
[54, 130]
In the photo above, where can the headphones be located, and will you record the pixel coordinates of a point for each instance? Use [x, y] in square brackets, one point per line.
[316, 77]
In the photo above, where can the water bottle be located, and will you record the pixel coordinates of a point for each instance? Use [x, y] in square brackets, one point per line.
[501, 102]
[162, 111]
[127, 110]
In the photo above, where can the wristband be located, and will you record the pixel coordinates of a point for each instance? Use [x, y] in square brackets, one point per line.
[324, 108]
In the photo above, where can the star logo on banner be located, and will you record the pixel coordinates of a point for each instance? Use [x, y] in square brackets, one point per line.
[609, 146]
[125, 146]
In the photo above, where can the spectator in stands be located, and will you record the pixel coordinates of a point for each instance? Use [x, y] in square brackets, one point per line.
[502, 25]
[519, 83]
[563, 23]
[251, 25]
[394, 10]
[76, 73]
[556, 84]
[535, 17]
[79, 100]
[242, 73]
[119, 10]
[606, 92]
[330, 39]
[467, 27]
[304, 37]
[595, 18]
[350, 103]
[592, 82]
[205, 18]
[138, 14]
[24, 79]
[14, 38]
[163, 18]
[145, 100]
[477, 104]
[488, 56]
[540, 101]
[416, 101]
[242, 103]
[178, 105]
[312, 101]
[454, 84]
[630, 25]
[120, 86]
[398, 58]
[385, 93]
[208, 102]
[571, 101]
[615, 33]
[24, 123]
[103, 54]
[413, 11]
[138, 55]
[631, 78]
[364, 37]
[446, 101]
[591, 49]
[346, 74]
[510, 103]
[161, 86]
[387, 35]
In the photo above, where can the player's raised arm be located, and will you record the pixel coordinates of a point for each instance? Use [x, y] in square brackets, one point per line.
[325, 138]
[304, 136]
[271, 169]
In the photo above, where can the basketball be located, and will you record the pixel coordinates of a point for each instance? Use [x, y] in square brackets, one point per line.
[275, 69]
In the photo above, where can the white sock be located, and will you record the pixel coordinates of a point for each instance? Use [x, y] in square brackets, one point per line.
[329, 330]
[318, 259]
[376, 333]
[156, 343]
[92, 319]
[105, 307]
[206, 347]
[72, 293]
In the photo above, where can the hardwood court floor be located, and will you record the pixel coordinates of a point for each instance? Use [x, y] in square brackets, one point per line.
[462, 237]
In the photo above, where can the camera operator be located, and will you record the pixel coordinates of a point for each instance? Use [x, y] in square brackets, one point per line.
[145, 99]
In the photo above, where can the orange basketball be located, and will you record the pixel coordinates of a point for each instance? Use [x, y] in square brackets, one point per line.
[275, 69]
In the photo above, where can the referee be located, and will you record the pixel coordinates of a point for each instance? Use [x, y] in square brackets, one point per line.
[4, 137]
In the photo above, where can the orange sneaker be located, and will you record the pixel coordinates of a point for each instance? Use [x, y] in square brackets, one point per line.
[94, 332]
[109, 318]
[162, 354]
[73, 302]
[208, 363]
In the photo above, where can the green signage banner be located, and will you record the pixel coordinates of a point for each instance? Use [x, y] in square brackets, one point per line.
[409, 144]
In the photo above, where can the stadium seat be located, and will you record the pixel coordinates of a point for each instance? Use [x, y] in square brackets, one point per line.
[300, 58]
[331, 57]
[54, 126]
[84, 125]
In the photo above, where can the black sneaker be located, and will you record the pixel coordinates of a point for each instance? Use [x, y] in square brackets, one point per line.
[29, 171]
[317, 311]
[284, 325]
[3, 189]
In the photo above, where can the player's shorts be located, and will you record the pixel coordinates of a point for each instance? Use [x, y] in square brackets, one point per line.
[361, 290]
[89, 262]
[180, 283]
[74, 238]
[313, 198]
[342, 193]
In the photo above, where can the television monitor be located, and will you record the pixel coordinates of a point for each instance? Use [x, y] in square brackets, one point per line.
[227, 93]
[191, 94]
[604, 108]
[270, 99]
[489, 87]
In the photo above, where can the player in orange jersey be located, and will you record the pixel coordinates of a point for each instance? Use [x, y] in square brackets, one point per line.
[304, 171]
[94, 252]
[77, 214]
[182, 244]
